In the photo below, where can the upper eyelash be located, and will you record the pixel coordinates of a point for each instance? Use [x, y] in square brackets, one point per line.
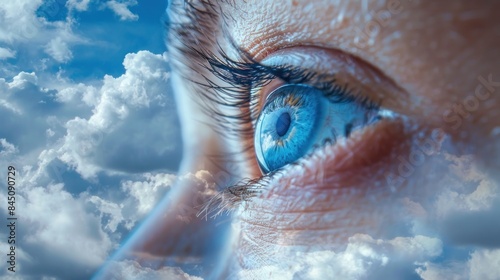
[247, 74]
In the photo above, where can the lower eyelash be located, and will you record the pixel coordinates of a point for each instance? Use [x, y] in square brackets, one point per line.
[225, 201]
[230, 198]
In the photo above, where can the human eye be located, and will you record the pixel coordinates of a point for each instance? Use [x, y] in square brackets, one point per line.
[311, 109]
[298, 117]
[296, 103]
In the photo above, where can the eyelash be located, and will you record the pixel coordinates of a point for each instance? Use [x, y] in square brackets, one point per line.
[242, 76]
[246, 74]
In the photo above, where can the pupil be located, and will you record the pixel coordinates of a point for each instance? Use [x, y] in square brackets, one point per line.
[283, 124]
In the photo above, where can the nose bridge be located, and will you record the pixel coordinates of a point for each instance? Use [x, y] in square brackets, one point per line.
[176, 233]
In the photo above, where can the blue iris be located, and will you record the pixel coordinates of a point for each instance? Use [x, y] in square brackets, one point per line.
[297, 118]
[286, 127]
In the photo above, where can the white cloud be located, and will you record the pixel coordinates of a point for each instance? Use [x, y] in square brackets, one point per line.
[141, 197]
[22, 78]
[114, 210]
[55, 219]
[56, 233]
[18, 20]
[364, 257]
[22, 29]
[149, 192]
[450, 201]
[28, 110]
[124, 124]
[56, 224]
[59, 50]
[6, 148]
[452, 271]
[132, 104]
[79, 5]
[94, 118]
[465, 211]
[137, 104]
[7, 53]
[483, 264]
[95, 126]
[77, 93]
[121, 8]
[131, 270]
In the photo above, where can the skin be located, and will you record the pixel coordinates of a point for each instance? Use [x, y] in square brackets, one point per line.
[432, 63]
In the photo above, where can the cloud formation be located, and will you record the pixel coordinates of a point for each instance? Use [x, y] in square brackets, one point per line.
[58, 137]
[121, 8]
[93, 154]
[24, 26]
[363, 258]
[481, 265]
[6, 53]
[128, 105]
[131, 270]
[56, 224]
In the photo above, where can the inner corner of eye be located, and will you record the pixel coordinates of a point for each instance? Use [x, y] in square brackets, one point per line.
[295, 118]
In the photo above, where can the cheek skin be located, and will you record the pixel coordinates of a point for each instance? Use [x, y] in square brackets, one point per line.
[339, 191]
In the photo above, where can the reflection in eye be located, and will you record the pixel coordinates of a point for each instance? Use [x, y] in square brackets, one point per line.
[296, 118]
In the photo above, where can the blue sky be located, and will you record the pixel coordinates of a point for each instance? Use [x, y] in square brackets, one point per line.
[100, 29]
[89, 122]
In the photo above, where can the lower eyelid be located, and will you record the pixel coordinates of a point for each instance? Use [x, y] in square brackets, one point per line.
[366, 148]
[327, 194]
[352, 166]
